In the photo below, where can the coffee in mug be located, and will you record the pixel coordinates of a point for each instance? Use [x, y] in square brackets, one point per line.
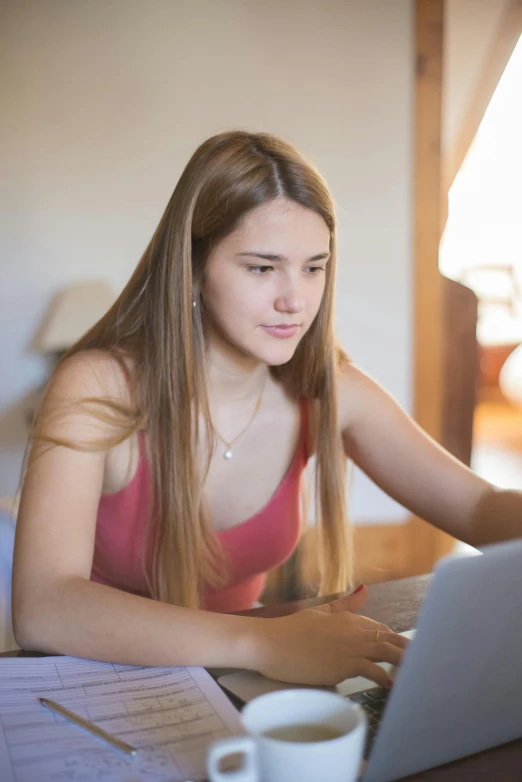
[306, 731]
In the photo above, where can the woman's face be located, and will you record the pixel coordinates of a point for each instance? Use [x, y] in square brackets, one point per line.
[263, 283]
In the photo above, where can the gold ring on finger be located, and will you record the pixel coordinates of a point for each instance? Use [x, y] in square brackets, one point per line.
[376, 636]
[331, 607]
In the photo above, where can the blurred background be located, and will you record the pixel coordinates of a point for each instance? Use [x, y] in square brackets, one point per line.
[410, 108]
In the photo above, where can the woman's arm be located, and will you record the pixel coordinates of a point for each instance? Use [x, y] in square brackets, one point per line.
[57, 609]
[417, 472]
[497, 516]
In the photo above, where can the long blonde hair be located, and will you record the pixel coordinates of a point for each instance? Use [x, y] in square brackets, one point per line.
[154, 323]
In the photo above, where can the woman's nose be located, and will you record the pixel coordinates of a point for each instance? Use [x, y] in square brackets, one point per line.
[289, 301]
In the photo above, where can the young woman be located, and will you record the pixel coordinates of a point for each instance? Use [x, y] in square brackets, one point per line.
[164, 475]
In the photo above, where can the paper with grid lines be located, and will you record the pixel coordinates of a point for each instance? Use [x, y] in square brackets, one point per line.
[171, 715]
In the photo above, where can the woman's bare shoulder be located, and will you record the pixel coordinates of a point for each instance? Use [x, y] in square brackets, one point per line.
[76, 397]
[351, 385]
[91, 373]
[356, 392]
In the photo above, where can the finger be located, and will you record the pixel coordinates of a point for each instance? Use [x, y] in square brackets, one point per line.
[352, 602]
[388, 636]
[379, 626]
[370, 670]
[380, 652]
[325, 608]
[365, 623]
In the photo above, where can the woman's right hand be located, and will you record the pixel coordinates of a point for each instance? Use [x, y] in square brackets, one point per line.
[324, 648]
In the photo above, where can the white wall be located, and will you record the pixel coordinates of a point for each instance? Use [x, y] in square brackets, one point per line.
[103, 102]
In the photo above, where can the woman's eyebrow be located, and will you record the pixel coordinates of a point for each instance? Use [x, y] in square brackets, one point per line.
[273, 257]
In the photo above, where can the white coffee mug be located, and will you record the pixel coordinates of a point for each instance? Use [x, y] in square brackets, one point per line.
[275, 758]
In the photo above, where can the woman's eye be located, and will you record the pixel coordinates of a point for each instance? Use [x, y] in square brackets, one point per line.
[314, 270]
[260, 269]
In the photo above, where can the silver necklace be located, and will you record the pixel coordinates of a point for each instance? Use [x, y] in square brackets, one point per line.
[228, 445]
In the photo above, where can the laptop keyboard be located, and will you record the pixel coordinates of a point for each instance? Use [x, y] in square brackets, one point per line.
[373, 702]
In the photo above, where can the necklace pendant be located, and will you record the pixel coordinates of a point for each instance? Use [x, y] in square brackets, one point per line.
[227, 454]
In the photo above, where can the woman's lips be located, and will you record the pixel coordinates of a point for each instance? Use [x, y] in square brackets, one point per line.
[281, 332]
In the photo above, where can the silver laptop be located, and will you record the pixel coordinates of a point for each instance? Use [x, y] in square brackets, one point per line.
[459, 688]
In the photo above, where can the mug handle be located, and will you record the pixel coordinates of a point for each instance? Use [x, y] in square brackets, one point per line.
[221, 749]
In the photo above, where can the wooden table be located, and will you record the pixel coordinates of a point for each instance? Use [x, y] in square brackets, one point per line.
[397, 603]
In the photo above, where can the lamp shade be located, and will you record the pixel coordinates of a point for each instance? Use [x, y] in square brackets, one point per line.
[72, 312]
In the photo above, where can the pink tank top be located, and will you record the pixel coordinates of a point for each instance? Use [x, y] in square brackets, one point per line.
[253, 547]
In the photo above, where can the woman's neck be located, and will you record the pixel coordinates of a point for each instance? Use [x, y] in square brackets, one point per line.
[232, 376]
